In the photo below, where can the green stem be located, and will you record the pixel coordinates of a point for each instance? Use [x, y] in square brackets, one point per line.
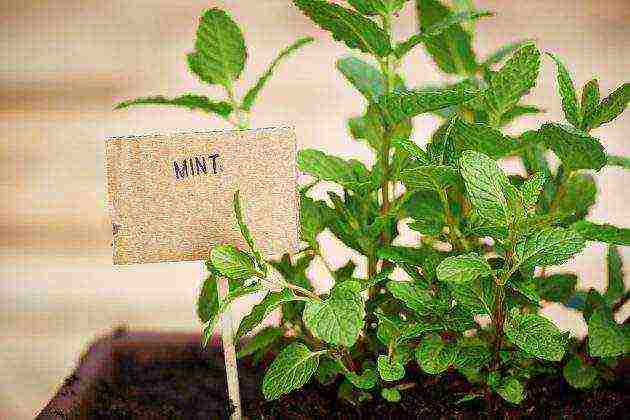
[498, 315]
[284, 283]
[498, 319]
[300, 289]
[242, 120]
[389, 74]
[454, 232]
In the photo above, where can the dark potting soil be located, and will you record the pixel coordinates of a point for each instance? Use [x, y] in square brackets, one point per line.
[195, 389]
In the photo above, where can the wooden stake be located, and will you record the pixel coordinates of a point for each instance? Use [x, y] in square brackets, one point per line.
[229, 354]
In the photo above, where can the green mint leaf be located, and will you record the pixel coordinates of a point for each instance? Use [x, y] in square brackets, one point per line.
[602, 233]
[513, 81]
[427, 211]
[431, 35]
[368, 7]
[494, 380]
[434, 355]
[621, 161]
[441, 148]
[504, 51]
[338, 320]
[576, 149]
[260, 341]
[458, 319]
[451, 49]
[580, 194]
[252, 94]
[366, 78]
[188, 101]
[610, 108]
[485, 183]
[381, 276]
[592, 301]
[548, 246]
[605, 337]
[536, 335]
[345, 272]
[450, 111]
[313, 220]
[377, 7]
[478, 137]
[259, 312]
[367, 127]
[579, 374]
[350, 394]
[590, 101]
[616, 286]
[390, 369]
[366, 380]
[556, 287]
[400, 161]
[295, 272]
[345, 226]
[404, 255]
[220, 53]
[399, 106]
[416, 329]
[477, 296]
[240, 219]
[208, 300]
[328, 371]
[327, 168]
[428, 269]
[414, 297]
[525, 286]
[290, 370]
[519, 111]
[224, 305]
[531, 189]
[463, 268]
[435, 178]
[391, 394]
[516, 214]
[567, 91]
[412, 148]
[388, 328]
[511, 390]
[535, 160]
[483, 227]
[232, 263]
[347, 26]
[472, 353]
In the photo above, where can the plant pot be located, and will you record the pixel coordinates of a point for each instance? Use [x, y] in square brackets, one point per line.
[168, 375]
[102, 364]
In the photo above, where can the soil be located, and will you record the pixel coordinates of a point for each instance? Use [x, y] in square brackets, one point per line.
[180, 381]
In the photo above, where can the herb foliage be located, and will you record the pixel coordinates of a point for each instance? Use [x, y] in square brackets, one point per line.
[477, 278]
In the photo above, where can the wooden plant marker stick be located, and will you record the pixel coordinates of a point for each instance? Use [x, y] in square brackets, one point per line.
[229, 353]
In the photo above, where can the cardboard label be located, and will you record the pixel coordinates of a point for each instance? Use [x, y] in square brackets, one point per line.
[170, 196]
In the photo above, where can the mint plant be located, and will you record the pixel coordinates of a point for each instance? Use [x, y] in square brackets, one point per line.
[475, 281]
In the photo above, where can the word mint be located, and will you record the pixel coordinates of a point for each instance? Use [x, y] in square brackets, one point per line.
[195, 166]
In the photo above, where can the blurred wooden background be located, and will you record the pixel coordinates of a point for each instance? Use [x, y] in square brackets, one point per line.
[66, 62]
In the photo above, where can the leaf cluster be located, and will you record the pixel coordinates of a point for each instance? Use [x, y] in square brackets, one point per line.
[467, 296]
